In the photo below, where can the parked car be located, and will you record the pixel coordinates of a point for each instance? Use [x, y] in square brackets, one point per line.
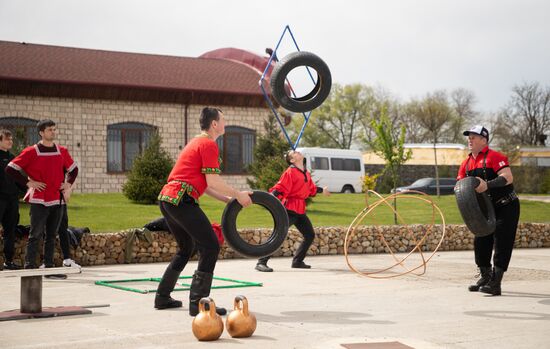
[428, 186]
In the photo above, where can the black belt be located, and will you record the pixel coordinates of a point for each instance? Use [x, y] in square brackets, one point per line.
[506, 199]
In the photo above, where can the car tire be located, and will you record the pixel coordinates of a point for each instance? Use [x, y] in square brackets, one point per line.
[314, 98]
[348, 189]
[476, 209]
[274, 241]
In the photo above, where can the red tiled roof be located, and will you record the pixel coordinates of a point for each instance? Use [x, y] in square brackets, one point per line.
[56, 64]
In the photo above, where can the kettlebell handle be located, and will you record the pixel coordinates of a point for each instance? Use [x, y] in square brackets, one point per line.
[241, 299]
[211, 305]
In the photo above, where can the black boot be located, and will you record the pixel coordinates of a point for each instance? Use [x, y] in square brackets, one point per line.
[485, 273]
[200, 287]
[166, 286]
[493, 287]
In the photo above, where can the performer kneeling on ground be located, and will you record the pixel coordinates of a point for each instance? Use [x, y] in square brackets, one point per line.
[494, 174]
[196, 171]
[293, 188]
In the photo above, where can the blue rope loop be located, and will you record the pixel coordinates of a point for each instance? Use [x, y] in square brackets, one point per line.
[306, 115]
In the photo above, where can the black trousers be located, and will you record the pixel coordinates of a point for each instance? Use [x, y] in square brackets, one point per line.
[9, 217]
[191, 229]
[304, 226]
[48, 217]
[64, 234]
[501, 241]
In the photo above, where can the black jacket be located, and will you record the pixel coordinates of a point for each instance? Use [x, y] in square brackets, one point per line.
[8, 187]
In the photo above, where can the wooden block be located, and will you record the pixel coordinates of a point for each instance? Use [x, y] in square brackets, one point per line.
[40, 271]
[45, 313]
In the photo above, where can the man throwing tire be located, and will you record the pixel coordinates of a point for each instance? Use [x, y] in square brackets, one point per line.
[197, 171]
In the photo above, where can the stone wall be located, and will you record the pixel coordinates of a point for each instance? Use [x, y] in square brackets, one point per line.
[111, 248]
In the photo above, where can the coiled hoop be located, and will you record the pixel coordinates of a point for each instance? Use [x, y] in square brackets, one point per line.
[379, 274]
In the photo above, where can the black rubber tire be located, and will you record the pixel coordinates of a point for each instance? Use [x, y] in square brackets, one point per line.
[313, 99]
[476, 209]
[348, 189]
[275, 240]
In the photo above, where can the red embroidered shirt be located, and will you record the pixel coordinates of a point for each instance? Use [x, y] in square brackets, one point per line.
[199, 157]
[46, 167]
[293, 188]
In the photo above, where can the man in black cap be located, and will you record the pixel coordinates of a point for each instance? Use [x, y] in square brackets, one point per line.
[494, 174]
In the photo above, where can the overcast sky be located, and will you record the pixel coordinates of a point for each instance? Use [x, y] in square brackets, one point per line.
[410, 47]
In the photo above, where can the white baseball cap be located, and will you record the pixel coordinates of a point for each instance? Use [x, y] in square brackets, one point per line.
[478, 130]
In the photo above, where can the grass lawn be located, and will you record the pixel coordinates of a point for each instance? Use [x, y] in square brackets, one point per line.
[113, 212]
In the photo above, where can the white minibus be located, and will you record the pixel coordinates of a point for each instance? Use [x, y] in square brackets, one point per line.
[341, 170]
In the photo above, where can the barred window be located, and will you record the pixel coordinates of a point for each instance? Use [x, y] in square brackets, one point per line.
[125, 141]
[236, 149]
[24, 132]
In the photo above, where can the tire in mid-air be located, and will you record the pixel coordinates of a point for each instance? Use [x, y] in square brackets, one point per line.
[314, 98]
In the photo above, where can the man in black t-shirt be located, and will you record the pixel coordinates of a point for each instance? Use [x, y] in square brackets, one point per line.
[9, 201]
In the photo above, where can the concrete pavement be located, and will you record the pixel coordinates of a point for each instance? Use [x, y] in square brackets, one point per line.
[318, 308]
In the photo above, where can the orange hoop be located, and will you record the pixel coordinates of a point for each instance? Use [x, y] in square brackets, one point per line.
[418, 247]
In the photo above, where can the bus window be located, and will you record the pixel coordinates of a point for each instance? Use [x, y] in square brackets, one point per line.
[319, 163]
[337, 164]
[352, 165]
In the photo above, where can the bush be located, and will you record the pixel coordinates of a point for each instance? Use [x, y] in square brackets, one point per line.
[269, 162]
[369, 182]
[384, 184]
[545, 185]
[528, 179]
[445, 171]
[149, 173]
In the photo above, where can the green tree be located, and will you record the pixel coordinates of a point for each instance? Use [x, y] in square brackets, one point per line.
[390, 145]
[149, 173]
[337, 123]
[433, 113]
[269, 160]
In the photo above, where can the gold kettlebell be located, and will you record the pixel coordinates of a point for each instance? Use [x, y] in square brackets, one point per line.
[241, 323]
[207, 325]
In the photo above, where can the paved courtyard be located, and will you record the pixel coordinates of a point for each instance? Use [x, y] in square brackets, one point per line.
[319, 308]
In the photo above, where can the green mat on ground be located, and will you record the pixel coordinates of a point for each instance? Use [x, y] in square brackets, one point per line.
[230, 283]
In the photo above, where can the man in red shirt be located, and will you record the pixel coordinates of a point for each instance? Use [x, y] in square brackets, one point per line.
[293, 188]
[45, 165]
[197, 171]
[494, 174]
